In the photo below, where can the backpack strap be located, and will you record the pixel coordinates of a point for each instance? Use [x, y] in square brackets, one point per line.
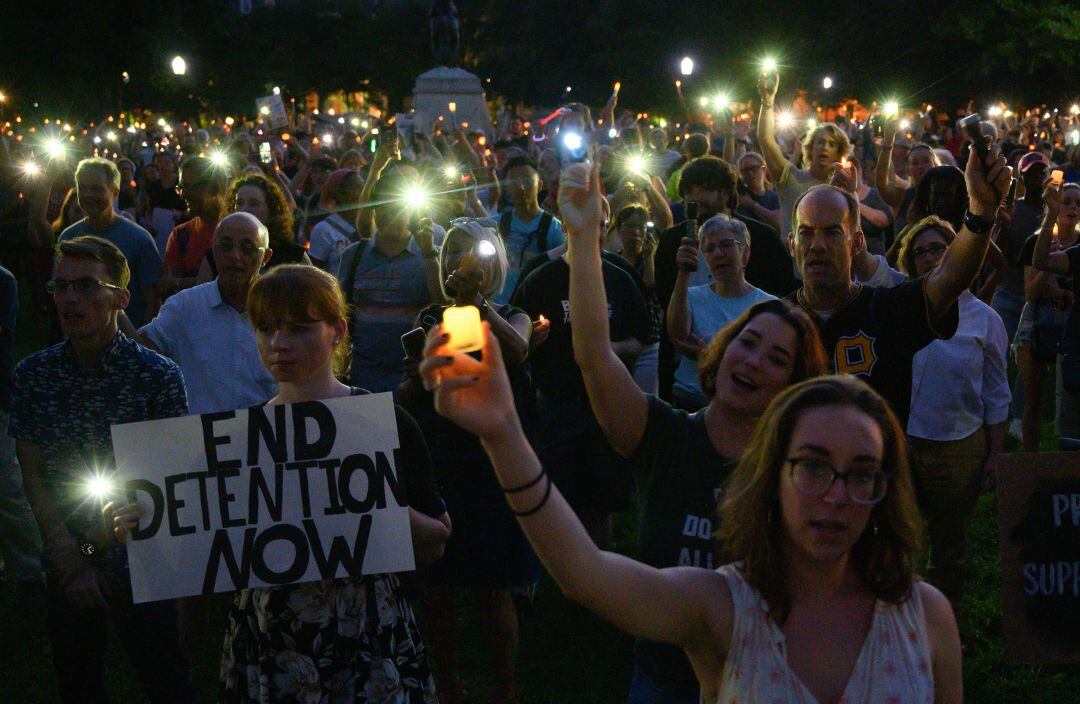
[350, 278]
[350, 235]
[504, 224]
[542, 232]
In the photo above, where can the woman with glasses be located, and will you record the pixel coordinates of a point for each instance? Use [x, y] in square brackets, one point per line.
[959, 405]
[820, 601]
[757, 197]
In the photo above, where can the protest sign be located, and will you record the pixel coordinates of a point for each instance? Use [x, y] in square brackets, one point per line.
[1039, 521]
[272, 110]
[264, 496]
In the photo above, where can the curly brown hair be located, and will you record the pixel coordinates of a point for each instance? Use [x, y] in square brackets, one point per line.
[810, 358]
[750, 515]
[281, 217]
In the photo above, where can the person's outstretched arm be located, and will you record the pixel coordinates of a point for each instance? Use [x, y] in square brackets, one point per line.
[680, 605]
[985, 184]
[1042, 258]
[766, 127]
[883, 174]
[621, 407]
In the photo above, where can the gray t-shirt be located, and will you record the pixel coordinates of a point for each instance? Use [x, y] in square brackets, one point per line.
[1025, 221]
[791, 184]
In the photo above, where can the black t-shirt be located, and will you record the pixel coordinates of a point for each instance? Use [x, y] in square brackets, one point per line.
[547, 291]
[161, 197]
[876, 334]
[680, 478]
[9, 308]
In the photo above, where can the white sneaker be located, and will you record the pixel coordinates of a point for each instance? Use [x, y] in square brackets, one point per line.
[1016, 430]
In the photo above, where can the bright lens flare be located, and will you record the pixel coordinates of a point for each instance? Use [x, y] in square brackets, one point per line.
[1075, 110]
[769, 65]
[891, 109]
[416, 197]
[784, 120]
[55, 148]
[99, 486]
[485, 249]
[994, 111]
[572, 141]
[452, 172]
[721, 101]
[264, 110]
[905, 124]
[636, 164]
[218, 158]
[31, 168]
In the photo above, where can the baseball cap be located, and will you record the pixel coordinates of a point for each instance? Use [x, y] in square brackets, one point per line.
[1030, 159]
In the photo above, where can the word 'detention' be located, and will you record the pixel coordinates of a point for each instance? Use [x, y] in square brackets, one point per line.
[264, 496]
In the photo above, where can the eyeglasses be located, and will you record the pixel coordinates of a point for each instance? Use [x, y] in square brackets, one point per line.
[81, 287]
[752, 168]
[935, 249]
[725, 245]
[247, 248]
[814, 477]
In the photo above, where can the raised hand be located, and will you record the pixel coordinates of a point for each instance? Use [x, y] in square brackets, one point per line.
[986, 182]
[580, 201]
[767, 86]
[475, 394]
[686, 257]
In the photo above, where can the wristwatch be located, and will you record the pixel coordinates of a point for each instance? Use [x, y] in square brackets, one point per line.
[976, 224]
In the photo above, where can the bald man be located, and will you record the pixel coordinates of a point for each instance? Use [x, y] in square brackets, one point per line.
[873, 332]
[205, 329]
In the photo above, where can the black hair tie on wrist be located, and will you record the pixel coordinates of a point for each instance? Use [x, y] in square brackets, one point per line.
[530, 485]
[543, 501]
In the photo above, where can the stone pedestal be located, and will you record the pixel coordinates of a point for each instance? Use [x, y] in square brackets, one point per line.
[437, 88]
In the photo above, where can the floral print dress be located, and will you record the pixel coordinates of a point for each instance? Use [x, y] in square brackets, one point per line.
[338, 641]
[329, 642]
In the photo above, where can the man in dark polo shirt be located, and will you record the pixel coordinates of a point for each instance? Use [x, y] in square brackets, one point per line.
[873, 333]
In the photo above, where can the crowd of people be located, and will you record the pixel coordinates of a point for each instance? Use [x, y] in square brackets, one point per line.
[783, 342]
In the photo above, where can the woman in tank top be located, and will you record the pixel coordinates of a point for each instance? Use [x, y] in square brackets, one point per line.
[820, 604]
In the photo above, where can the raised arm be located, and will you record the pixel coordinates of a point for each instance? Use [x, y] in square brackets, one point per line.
[679, 317]
[621, 407]
[766, 128]
[365, 216]
[883, 175]
[681, 601]
[1042, 258]
[985, 185]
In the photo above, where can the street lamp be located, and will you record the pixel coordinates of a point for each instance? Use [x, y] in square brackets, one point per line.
[686, 66]
[179, 66]
[827, 83]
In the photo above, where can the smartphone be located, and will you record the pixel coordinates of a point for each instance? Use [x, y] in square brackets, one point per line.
[264, 153]
[692, 220]
[572, 147]
[413, 343]
[1010, 197]
[1057, 177]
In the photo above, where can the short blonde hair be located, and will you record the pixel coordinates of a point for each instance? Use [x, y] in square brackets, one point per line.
[475, 232]
[907, 236]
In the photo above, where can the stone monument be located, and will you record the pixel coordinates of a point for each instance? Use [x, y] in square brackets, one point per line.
[448, 90]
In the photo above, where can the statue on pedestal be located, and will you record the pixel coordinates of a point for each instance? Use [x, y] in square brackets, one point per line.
[444, 32]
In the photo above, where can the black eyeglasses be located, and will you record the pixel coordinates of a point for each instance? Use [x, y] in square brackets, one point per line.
[246, 247]
[815, 477]
[79, 286]
[935, 249]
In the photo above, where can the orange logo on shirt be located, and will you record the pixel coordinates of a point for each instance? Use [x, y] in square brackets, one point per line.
[855, 355]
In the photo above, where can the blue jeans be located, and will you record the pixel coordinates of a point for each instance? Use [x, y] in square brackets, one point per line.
[1008, 305]
[645, 689]
[149, 632]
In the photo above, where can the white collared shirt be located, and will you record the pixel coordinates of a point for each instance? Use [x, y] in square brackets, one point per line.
[214, 344]
[960, 384]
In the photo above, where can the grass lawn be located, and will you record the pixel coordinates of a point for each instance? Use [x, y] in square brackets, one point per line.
[566, 653]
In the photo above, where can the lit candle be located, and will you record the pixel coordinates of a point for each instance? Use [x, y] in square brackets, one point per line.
[463, 325]
[1057, 176]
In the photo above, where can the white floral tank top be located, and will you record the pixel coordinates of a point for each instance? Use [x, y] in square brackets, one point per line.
[893, 666]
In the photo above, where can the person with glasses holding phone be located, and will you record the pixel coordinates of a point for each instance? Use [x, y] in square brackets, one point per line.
[205, 328]
[959, 404]
[757, 197]
[65, 400]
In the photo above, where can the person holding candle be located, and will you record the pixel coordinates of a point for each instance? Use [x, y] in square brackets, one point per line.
[487, 554]
[821, 525]
[679, 461]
